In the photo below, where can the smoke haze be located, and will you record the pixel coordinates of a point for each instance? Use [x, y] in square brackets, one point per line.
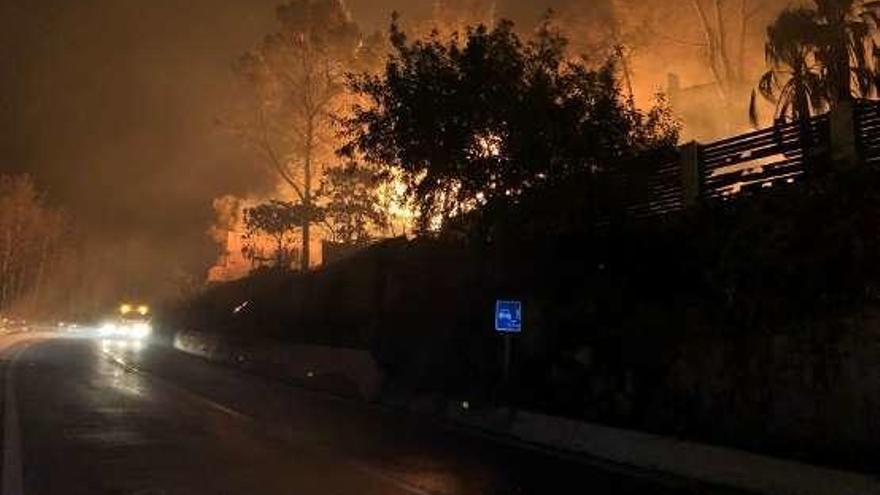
[110, 105]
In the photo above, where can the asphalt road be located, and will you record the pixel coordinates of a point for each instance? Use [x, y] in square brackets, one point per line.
[85, 416]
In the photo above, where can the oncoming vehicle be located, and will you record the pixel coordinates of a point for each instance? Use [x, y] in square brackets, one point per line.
[132, 322]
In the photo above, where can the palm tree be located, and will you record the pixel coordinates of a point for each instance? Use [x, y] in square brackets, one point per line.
[845, 31]
[794, 82]
[819, 57]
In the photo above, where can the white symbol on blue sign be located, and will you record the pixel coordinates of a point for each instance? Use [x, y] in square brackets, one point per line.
[508, 316]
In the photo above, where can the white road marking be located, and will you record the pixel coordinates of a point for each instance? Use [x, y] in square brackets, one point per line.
[192, 396]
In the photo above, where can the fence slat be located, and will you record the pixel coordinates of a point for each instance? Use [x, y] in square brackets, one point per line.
[776, 173]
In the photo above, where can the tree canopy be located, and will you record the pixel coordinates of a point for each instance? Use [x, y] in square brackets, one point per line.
[279, 220]
[352, 204]
[484, 117]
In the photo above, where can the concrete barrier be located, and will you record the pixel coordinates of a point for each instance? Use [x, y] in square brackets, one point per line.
[347, 372]
[710, 464]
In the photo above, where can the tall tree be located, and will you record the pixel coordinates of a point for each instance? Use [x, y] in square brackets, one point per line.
[480, 119]
[297, 80]
[794, 82]
[846, 35]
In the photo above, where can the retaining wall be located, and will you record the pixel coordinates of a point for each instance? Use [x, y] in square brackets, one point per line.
[347, 372]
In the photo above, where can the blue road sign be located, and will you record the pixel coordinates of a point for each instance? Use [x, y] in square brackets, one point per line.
[508, 316]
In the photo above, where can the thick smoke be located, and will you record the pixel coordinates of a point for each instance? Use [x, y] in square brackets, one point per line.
[112, 105]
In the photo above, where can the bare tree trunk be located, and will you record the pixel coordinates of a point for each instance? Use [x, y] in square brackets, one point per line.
[6, 268]
[307, 258]
[41, 273]
[17, 280]
[307, 198]
[281, 257]
[711, 47]
[621, 49]
[721, 30]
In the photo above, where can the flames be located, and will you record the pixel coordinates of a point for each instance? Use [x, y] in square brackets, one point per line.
[229, 231]
[663, 46]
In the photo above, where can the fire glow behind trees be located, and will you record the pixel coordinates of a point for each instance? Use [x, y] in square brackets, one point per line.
[297, 76]
[111, 105]
[480, 119]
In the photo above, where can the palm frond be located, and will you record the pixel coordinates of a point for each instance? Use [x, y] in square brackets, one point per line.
[768, 86]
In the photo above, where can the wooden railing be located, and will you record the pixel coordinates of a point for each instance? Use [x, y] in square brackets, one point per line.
[762, 159]
[867, 128]
[753, 163]
[646, 186]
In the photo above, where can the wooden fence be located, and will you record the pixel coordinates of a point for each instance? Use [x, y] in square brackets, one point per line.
[753, 163]
[646, 186]
[762, 159]
[867, 128]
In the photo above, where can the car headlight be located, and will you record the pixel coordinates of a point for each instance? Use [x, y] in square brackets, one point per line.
[141, 330]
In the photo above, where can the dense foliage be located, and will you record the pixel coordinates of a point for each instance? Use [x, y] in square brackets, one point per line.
[280, 221]
[480, 119]
[352, 206]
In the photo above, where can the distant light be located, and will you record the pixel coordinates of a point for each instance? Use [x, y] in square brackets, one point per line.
[125, 309]
[238, 309]
[465, 405]
[143, 309]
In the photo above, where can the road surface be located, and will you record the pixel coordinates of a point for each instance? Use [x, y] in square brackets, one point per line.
[86, 416]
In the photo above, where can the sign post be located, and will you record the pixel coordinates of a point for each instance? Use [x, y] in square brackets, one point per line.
[508, 322]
